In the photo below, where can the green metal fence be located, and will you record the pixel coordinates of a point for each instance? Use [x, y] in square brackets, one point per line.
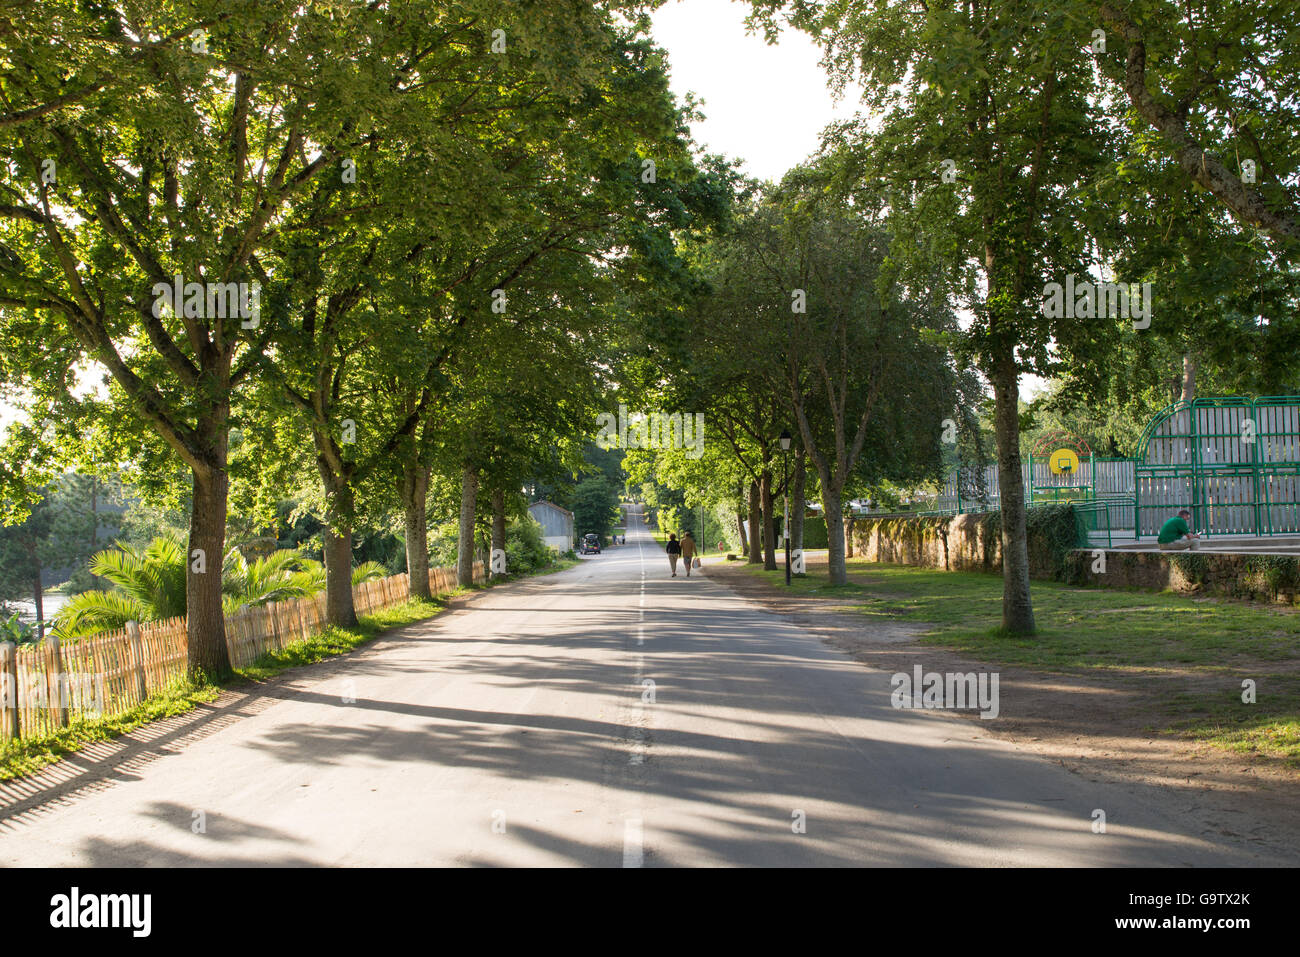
[1234, 461]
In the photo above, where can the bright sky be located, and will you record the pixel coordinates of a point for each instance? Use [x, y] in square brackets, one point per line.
[764, 104]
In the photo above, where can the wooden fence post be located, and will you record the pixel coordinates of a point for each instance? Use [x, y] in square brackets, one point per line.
[277, 626]
[9, 681]
[137, 651]
[60, 682]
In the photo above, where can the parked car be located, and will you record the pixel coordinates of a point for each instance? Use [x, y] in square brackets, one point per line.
[590, 543]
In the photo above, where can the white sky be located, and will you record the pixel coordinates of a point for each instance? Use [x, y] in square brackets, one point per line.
[764, 104]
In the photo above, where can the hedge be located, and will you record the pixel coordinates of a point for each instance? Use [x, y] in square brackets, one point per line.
[814, 531]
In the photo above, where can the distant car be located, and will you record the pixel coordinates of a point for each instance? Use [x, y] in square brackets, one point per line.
[590, 543]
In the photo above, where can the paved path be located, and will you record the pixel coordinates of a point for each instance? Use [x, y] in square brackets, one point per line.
[520, 729]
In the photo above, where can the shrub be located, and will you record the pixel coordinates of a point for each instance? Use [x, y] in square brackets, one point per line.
[526, 551]
[1195, 568]
[11, 629]
[442, 545]
[814, 532]
[1052, 532]
[1271, 574]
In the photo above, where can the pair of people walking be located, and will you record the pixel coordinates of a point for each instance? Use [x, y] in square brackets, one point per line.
[684, 549]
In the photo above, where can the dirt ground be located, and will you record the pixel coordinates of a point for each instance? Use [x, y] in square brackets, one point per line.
[1099, 727]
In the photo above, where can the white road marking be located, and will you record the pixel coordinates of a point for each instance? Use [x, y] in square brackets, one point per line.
[633, 852]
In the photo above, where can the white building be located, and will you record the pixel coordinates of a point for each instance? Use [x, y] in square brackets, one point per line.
[556, 522]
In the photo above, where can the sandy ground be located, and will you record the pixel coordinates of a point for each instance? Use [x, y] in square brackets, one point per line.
[1098, 728]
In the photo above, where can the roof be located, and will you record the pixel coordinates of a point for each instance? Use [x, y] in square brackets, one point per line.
[550, 504]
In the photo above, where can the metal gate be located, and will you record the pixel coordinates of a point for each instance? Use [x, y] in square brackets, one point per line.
[1234, 461]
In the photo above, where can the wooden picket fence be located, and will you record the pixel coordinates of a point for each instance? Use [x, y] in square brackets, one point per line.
[113, 672]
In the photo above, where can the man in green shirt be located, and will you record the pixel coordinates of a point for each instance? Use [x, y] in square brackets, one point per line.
[1176, 534]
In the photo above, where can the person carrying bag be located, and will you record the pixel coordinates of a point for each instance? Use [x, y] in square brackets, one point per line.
[688, 553]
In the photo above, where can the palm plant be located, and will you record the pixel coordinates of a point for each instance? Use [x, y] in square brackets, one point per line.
[148, 585]
[283, 574]
[367, 572]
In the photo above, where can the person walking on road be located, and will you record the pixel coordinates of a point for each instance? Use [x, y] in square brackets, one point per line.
[674, 549]
[688, 551]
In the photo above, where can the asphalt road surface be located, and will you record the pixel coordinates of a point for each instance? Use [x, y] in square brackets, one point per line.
[607, 715]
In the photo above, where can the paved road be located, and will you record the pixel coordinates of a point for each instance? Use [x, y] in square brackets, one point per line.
[519, 729]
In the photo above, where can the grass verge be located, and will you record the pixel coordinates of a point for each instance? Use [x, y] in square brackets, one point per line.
[27, 755]
[334, 641]
[1118, 635]
[31, 754]
[559, 565]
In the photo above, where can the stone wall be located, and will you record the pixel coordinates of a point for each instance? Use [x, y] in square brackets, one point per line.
[1256, 577]
[973, 543]
[960, 543]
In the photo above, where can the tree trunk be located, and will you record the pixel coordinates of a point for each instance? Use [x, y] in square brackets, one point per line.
[798, 501]
[833, 509]
[38, 592]
[499, 521]
[769, 521]
[205, 626]
[1189, 377]
[755, 520]
[465, 541]
[740, 519]
[415, 496]
[95, 580]
[339, 607]
[1017, 607]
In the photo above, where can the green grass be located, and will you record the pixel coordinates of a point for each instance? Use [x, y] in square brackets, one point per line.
[1124, 636]
[335, 641]
[559, 565]
[31, 754]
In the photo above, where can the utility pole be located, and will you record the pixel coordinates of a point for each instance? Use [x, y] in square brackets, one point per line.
[785, 525]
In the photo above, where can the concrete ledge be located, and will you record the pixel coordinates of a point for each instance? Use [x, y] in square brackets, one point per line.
[1261, 577]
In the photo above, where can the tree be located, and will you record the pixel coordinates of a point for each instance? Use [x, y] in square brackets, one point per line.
[21, 564]
[804, 277]
[595, 506]
[184, 168]
[986, 147]
[1217, 83]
